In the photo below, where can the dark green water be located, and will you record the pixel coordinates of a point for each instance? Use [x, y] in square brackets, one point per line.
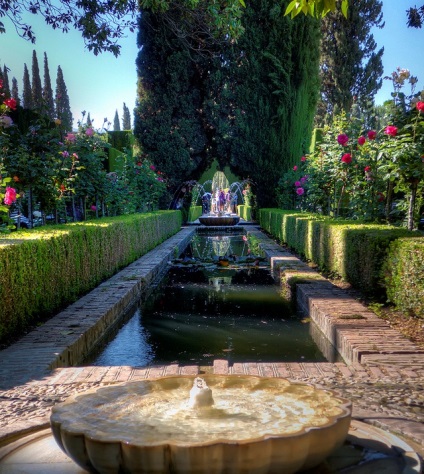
[201, 313]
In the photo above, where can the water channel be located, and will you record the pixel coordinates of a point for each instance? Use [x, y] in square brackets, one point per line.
[218, 301]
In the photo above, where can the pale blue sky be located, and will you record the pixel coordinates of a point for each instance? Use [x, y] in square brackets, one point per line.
[100, 84]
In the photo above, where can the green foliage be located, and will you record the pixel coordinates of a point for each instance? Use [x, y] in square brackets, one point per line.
[195, 106]
[194, 213]
[52, 267]
[403, 274]
[62, 105]
[352, 250]
[351, 66]
[315, 8]
[245, 212]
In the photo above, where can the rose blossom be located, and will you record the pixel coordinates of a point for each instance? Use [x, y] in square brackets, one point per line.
[361, 140]
[11, 103]
[347, 158]
[297, 183]
[294, 168]
[303, 158]
[5, 121]
[367, 168]
[9, 196]
[391, 130]
[152, 167]
[372, 134]
[342, 139]
[70, 137]
[420, 106]
[300, 191]
[89, 132]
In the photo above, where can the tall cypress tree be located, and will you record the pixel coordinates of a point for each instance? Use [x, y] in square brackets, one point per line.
[126, 118]
[6, 84]
[250, 104]
[63, 108]
[116, 123]
[351, 66]
[15, 90]
[36, 89]
[26, 94]
[47, 90]
[89, 121]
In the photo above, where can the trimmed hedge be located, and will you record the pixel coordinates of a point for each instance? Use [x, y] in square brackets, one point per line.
[194, 213]
[355, 251]
[245, 212]
[44, 269]
[403, 273]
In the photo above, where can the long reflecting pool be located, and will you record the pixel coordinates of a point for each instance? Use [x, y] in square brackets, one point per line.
[218, 301]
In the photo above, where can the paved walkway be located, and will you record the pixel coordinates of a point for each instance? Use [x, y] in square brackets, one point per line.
[383, 373]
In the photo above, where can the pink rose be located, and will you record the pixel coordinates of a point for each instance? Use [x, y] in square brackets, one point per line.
[70, 137]
[342, 139]
[361, 140]
[152, 167]
[300, 191]
[294, 168]
[93, 208]
[347, 158]
[391, 130]
[372, 134]
[303, 158]
[89, 132]
[5, 121]
[297, 183]
[9, 196]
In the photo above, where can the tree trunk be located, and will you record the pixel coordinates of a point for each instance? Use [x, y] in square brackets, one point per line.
[412, 200]
[390, 186]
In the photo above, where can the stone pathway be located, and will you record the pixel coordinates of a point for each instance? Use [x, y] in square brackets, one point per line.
[382, 372]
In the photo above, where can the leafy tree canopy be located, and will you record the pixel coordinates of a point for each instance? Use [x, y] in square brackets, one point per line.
[103, 23]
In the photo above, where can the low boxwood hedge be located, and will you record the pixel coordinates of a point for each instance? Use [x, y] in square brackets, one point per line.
[44, 269]
[365, 255]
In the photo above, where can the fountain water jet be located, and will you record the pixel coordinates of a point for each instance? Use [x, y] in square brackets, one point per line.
[251, 425]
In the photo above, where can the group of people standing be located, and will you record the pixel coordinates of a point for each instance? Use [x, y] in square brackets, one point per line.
[220, 201]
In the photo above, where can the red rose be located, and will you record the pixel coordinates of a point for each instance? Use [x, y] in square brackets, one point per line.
[367, 168]
[361, 140]
[342, 139]
[391, 130]
[372, 134]
[347, 158]
[11, 103]
[420, 106]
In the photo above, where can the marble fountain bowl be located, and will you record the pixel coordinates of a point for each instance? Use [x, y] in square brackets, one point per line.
[215, 424]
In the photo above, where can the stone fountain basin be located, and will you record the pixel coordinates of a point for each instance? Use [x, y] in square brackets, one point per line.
[257, 425]
[219, 220]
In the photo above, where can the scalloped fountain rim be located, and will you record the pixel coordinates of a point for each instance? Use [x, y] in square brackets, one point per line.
[280, 452]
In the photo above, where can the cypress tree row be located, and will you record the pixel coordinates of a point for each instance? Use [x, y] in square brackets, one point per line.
[36, 89]
[126, 118]
[116, 123]
[26, 95]
[15, 90]
[249, 104]
[6, 84]
[47, 90]
[63, 108]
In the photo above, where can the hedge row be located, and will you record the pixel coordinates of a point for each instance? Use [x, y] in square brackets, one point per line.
[365, 255]
[245, 212]
[44, 269]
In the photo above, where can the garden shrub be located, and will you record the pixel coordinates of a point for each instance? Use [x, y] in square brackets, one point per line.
[194, 213]
[245, 212]
[403, 274]
[52, 266]
[349, 249]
